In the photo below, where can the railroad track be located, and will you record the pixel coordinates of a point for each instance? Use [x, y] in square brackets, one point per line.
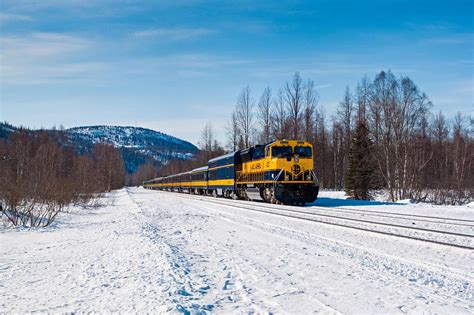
[421, 218]
[442, 235]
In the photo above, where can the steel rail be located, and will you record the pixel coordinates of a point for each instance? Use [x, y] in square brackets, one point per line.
[275, 212]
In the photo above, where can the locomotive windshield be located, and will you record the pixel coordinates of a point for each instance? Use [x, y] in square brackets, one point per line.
[303, 152]
[281, 152]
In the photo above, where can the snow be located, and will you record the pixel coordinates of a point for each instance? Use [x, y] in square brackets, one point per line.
[120, 136]
[338, 199]
[149, 251]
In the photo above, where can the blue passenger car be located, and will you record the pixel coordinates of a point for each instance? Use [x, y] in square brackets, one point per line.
[221, 173]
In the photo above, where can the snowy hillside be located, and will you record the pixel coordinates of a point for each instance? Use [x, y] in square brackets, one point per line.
[137, 144]
[160, 252]
[133, 137]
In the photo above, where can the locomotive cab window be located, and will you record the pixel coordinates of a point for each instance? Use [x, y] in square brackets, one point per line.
[281, 152]
[303, 151]
[258, 154]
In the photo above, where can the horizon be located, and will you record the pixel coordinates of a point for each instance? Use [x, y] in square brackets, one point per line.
[174, 66]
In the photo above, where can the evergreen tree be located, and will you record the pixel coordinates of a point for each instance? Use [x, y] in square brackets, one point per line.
[361, 176]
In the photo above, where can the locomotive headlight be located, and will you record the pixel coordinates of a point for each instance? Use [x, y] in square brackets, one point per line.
[287, 177]
[308, 177]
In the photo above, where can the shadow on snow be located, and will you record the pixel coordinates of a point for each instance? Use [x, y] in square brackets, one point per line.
[337, 202]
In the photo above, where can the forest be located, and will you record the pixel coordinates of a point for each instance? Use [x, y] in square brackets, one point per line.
[382, 139]
[41, 175]
[409, 152]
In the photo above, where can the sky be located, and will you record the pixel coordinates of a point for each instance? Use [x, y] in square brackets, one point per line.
[173, 66]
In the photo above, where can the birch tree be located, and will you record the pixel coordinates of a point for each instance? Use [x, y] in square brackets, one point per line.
[245, 116]
[294, 98]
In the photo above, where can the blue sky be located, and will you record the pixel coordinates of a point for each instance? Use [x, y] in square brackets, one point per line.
[174, 65]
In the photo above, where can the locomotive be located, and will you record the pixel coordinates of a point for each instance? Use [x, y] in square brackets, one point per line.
[277, 172]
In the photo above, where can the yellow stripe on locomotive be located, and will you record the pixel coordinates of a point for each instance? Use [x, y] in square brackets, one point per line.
[280, 161]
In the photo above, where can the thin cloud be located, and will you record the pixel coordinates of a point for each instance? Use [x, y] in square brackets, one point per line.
[186, 64]
[41, 45]
[8, 17]
[41, 58]
[454, 39]
[175, 34]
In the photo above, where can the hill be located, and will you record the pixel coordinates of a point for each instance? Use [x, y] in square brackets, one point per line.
[138, 145]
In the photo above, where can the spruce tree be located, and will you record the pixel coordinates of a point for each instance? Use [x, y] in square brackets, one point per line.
[361, 176]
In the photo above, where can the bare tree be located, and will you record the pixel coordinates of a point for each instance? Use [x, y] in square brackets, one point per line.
[110, 167]
[345, 112]
[264, 114]
[280, 117]
[322, 154]
[41, 176]
[338, 154]
[399, 108]
[362, 99]
[311, 99]
[245, 116]
[233, 133]
[462, 155]
[294, 98]
[206, 142]
[207, 137]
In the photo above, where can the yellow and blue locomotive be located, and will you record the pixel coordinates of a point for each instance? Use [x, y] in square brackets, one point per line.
[277, 172]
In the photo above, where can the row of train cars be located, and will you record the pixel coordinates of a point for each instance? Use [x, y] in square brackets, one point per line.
[281, 171]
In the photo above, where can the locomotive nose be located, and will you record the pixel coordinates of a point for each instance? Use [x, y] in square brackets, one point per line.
[296, 169]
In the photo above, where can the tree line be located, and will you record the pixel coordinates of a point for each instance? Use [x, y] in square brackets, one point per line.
[382, 137]
[41, 174]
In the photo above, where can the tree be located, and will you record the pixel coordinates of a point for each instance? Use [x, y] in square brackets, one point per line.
[322, 154]
[207, 137]
[362, 99]
[397, 110]
[207, 141]
[264, 114]
[42, 174]
[233, 133]
[244, 111]
[294, 99]
[361, 177]
[345, 112]
[338, 156]
[110, 166]
[280, 128]
[310, 100]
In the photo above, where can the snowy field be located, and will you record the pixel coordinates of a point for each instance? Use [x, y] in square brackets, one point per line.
[149, 251]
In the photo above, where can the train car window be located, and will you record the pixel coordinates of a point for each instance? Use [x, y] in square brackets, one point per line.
[303, 152]
[281, 152]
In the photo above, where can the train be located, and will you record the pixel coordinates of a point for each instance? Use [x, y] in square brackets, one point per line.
[279, 172]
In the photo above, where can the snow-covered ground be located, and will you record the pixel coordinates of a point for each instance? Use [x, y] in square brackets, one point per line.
[149, 251]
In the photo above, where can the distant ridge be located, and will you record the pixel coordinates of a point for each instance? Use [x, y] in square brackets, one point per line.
[137, 144]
